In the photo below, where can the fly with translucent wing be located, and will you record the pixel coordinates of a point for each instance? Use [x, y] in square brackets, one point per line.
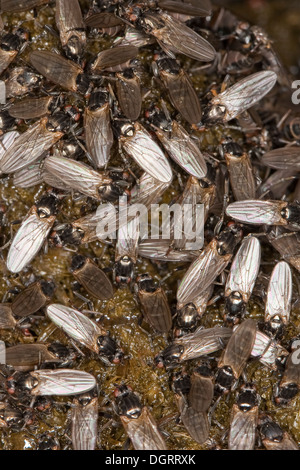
[211, 263]
[91, 277]
[180, 88]
[84, 418]
[32, 233]
[71, 27]
[154, 304]
[178, 143]
[241, 96]
[279, 299]
[97, 126]
[259, 212]
[61, 382]
[10, 45]
[240, 171]
[61, 71]
[241, 279]
[244, 419]
[235, 356]
[136, 141]
[138, 421]
[194, 345]
[33, 143]
[77, 176]
[175, 37]
[88, 333]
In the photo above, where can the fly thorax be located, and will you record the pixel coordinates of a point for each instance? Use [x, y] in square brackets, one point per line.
[235, 307]
[286, 393]
[129, 405]
[47, 206]
[109, 348]
[271, 431]
[98, 99]
[247, 399]
[291, 213]
[216, 113]
[187, 317]
[168, 65]
[110, 192]
[58, 122]
[146, 284]
[233, 149]
[124, 270]
[29, 382]
[83, 83]
[170, 356]
[10, 42]
[48, 288]
[85, 399]
[224, 379]
[181, 384]
[78, 261]
[74, 50]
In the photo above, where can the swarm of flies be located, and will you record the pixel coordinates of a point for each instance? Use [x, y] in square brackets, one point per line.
[108, 103]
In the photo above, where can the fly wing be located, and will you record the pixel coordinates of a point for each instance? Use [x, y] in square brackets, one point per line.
[95, 281]
[30, 108]
[98, 134]
[6, 57]
[6, 142]
[143, 432]
[201, 393]
[256, 211]
[203, 341]
[201, 274]
[29, 177]
[245, 93]
[29, 147]
[184, 40]
[244, 269]
[114, 56]
[148, 191]
[287, 243]
[201, 8]
[102, 20]
[76, 325]
[157, 310]
[283, 158]
[239, 347]
[21, 5]
[76, 175]
[196, 424]
[28, 241]
[29, 301]
[56, 69]
[128, 238]
[93, 224]
[62, 382]
[68, 16]
[183, 95]
[147, 154]
[7, 320]
[160, 250]
[84, 426]
[279, 296]
[129, 96]
[184, 151]
[29, 356]
[243, 429]
[267, 350]
[241, 177]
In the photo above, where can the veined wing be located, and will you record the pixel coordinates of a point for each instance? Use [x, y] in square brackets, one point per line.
[245, 268]
[28, 241]
[76, 325]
